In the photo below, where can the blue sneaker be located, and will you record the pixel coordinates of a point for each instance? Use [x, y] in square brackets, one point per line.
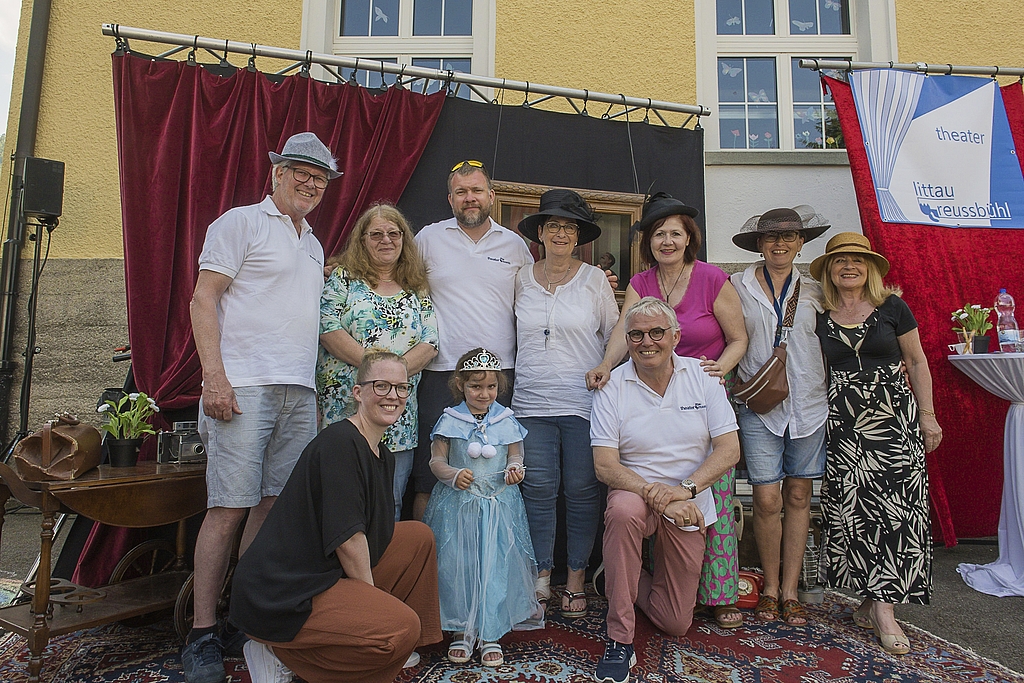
[614, 666]
[203, 660]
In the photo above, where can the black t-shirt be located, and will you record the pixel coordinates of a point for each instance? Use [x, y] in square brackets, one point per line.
[877, 337]
[337, 489]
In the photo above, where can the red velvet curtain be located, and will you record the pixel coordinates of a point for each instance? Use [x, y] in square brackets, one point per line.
[191, 145]
[940, 269]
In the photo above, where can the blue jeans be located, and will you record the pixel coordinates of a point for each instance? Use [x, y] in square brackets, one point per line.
[557, 450]
[403, 468]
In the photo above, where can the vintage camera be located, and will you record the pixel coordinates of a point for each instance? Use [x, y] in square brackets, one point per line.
[183, 444]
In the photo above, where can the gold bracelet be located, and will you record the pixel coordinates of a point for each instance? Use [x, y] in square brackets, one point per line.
[927, 412]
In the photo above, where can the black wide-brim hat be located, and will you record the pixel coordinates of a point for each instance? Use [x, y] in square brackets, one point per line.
[563, 204]
[811, 225]
[662, 205]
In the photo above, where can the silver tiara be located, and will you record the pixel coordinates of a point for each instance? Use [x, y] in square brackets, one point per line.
[485, 360]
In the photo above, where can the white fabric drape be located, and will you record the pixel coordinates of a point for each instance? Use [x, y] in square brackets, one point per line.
[1003, 375]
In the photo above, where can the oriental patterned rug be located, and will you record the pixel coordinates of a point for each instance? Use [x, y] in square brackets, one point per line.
[830, 649]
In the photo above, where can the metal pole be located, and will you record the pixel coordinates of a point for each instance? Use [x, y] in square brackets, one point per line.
[302, 56]
[27, 122]
[919, 67]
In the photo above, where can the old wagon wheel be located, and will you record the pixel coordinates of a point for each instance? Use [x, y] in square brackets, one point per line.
[146, 559]
[184, 611]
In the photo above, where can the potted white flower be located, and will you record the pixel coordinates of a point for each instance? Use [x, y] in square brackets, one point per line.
[971, 324]
[127, 426]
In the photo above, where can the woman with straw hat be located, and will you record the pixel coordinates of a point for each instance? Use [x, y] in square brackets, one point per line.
[785, 446]
[876, 533]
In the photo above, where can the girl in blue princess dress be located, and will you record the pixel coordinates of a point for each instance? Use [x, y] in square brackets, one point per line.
[486, 568]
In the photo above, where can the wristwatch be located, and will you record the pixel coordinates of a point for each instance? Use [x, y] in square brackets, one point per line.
[691, 487]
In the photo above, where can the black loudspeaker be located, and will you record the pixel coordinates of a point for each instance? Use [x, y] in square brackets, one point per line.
[44, 188]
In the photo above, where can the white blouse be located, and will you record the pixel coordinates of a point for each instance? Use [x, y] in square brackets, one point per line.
[560, 336]
[806, 407]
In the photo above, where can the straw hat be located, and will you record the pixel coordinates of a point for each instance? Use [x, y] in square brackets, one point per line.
[812, 225]
[848, 243]
[564, 204]
[307, 148]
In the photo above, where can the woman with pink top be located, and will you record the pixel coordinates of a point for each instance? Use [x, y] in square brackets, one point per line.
[712, 329]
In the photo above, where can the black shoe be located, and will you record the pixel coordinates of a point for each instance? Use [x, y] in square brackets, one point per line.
[202, 660]
[615, 664]
[232, 640]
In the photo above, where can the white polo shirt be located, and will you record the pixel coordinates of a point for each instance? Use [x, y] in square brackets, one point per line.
[663, 439]
[472, 285]
[269, 315]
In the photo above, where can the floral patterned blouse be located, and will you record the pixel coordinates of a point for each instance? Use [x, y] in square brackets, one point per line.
[397, 323]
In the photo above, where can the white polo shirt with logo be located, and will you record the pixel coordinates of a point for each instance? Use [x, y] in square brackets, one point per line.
[472, 285]
[269, 315]
[663, 439]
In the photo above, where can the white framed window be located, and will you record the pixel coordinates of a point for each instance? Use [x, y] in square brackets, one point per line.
[456, 35]
[748, 56]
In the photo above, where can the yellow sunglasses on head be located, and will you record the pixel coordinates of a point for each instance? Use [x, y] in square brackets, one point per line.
[472, 162]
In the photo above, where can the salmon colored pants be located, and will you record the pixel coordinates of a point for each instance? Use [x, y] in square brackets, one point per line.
[667, 597]
[362, 633]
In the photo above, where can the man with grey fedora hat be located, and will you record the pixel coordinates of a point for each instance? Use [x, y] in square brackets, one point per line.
[255, 319]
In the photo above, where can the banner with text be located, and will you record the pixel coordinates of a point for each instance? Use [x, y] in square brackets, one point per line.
[940, 149]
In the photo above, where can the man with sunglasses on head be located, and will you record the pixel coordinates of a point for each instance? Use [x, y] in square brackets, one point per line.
[471, 269]
[663, 432]
[255, 318]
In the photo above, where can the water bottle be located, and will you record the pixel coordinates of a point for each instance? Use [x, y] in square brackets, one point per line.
[1009, 335]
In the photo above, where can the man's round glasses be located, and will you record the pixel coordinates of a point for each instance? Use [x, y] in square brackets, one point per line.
[303, 176]
[378, 235]
[554, 227]
[382, 387]
[655, 333]
[786, 236]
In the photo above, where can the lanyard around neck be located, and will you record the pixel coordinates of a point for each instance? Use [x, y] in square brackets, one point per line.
[777, 301]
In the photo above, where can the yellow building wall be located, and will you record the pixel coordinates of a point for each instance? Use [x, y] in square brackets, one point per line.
[967, 32]
[76, 118]
[641, 48]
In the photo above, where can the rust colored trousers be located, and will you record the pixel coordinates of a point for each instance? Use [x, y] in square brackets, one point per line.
[358, 633]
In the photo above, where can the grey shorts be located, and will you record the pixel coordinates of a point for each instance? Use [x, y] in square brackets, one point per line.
[252, 455]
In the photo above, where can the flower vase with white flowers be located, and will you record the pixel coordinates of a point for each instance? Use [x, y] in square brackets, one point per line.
[971, 322]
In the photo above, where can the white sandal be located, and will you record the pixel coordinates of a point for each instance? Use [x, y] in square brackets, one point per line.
[459, 644]
[490, 648]
[542, 588]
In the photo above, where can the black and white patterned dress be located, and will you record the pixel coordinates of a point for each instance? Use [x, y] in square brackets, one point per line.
[876, 535]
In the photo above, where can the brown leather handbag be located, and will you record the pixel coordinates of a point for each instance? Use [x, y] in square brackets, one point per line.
[769, 386]
[62, 450]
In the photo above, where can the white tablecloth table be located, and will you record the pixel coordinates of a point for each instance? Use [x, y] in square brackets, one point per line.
[1003, 375]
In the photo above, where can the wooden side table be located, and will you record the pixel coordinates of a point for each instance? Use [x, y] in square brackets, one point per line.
[147, 495]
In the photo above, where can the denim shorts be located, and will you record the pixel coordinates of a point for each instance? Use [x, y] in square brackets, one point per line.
[771, 458]
[252, 455]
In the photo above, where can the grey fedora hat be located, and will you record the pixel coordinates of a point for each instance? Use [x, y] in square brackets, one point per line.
[802, 218]
[307, 149]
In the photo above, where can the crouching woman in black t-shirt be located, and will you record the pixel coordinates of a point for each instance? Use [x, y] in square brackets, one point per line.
[332, 588]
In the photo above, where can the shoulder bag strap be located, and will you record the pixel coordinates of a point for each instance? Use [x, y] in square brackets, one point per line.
[787, 320]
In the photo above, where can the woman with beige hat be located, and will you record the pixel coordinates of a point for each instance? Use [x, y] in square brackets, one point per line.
[785, 446]
[876, 534]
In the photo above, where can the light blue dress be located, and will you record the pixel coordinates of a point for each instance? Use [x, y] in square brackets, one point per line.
[486, 567]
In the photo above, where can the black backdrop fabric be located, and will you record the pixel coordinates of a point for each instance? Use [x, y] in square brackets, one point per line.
[555, 149]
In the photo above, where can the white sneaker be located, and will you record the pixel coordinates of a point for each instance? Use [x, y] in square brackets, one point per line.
[263, 665]
[413, 660]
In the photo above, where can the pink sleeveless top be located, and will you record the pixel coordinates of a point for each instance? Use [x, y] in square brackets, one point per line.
[700, 333]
